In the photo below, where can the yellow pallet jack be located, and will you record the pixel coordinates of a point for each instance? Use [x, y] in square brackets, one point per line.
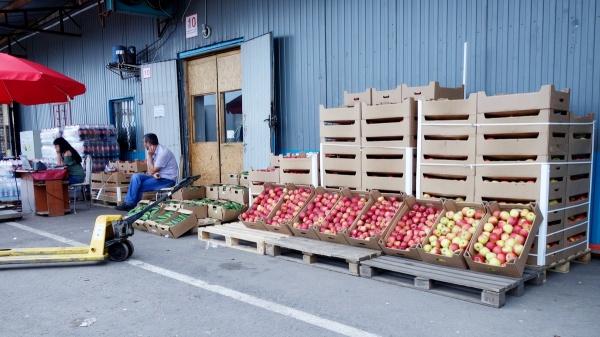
[109, 240]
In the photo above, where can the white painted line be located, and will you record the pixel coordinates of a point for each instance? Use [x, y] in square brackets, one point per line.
[277, 308]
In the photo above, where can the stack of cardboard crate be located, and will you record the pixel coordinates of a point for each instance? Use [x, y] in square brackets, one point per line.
[257, 178]
[447, 149]
[300, 169]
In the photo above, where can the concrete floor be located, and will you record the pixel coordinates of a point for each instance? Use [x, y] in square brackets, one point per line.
[122, 299]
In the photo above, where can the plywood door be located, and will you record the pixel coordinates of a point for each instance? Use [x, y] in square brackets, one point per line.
[204, 155]
[229, 73]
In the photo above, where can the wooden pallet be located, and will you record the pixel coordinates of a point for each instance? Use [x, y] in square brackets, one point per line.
[462, 284]
[105, 203]
[236, 235]
[327, 255]
[564, 265]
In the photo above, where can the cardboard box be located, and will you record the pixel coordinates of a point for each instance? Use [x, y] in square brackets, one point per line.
[575, 235]
[190, 193]
[221, 213]
[546, 98]
[446, 112]
[234, 193]
[260, 224]
[245, 179]
[111, 178]
[136, 166]
[506, 182]
[516, 268]
[340, 237]
[373, 242]
[283, 227]
[200, 211]
[458, 259]
[340, 125]
[535, 139]
[300, 170]
[275, 160]
[389, 124]
[256, 188]
[432, 91]
[575, 216]
[580, 138]
[577, 190]
[555, 221]
[385, 169]
[168, 229]
[408, 203]
[232, 179]
[451, 144]
[310, 232]
[554, 244]
[524, 116]
[391, 96]
[212, 192]
[451, 182]
[341, 166]
[270, 175]
[356, 98]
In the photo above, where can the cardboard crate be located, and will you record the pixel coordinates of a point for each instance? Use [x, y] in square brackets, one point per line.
[580, 138]
[458, 259]
[135, 166]
[554, 244]
[164, 228]
[523, 116]
[212, 191]
[516, 268]
[113, 178]
[391, 96]
[245, 179]
[389, 124]
[340, 237]
[300, 170]
[310, 232]
[260, 224]
[546, 98]
[340, 125]
[190, 193]
[577, 215]
[341, 166]
[577, 177]
[283, 227]
[373, 241]
[576, 236]
[232, 179]
[555, 221]
[200, 211]
[255, 189]
[451, 182]
[523, 140]
[456, 111]
[386, 169]
[410, 252]
[114, 194]
[275, 160]
[451, 144]
[432, 91]
[270, 175]
[356, 98]
[221, 213]
[505, 182]
[234, 193]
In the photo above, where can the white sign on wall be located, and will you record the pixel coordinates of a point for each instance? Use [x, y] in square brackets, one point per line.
[159, 111]
[146, 72]
[191, 26]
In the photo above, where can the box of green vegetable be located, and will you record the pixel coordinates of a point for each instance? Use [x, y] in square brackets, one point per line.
[224, 210]
[197, 206]
[140, 224]
[172, 222]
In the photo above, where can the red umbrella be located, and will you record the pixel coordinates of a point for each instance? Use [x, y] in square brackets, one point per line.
[29, 83]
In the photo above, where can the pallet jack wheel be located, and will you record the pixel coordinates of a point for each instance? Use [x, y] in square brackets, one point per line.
[130, 246]
[119, 252]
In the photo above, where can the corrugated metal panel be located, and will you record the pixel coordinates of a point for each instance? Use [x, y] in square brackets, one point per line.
[161, 89]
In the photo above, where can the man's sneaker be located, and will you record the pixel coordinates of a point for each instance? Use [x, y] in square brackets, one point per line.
[124, 207]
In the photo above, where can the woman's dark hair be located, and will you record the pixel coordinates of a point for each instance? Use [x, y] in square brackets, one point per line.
[64, 146]
[151, 138]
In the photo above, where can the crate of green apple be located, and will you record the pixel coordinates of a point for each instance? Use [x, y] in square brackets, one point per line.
[374, 219]
[292, 202]
[503, 241]
[315, 211]
[263, 205]
[342, 216]
[452, 234]
[415, 219]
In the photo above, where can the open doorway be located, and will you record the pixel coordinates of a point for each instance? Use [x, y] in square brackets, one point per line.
[126, 119]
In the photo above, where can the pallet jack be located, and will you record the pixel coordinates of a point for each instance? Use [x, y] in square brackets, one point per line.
[110, 240]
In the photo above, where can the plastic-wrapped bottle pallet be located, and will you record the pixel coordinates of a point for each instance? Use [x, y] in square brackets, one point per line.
[99, 141]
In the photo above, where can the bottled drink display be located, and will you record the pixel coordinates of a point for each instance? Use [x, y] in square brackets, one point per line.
[9, 186]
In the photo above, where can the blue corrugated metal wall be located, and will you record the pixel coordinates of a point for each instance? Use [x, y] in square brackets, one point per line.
[325, 47]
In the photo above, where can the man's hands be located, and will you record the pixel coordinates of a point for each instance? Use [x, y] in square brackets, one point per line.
[156, 175]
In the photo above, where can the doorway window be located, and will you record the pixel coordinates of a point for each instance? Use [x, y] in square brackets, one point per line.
[233, 117]
[127, 121]
[205, 118]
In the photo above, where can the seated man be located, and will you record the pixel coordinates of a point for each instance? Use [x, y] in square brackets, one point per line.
[162, 172]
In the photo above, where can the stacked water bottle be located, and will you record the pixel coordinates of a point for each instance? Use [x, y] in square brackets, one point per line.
[9, 186]
[47, 137]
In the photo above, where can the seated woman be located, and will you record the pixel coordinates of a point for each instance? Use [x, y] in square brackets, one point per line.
[66, 155]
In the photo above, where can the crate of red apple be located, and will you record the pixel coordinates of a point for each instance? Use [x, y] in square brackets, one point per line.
[293, 201]
[374, 220]
[452, 234]
[504, 240]
[262, 206]
[415, 219]
[316, 210]
[342, 216]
